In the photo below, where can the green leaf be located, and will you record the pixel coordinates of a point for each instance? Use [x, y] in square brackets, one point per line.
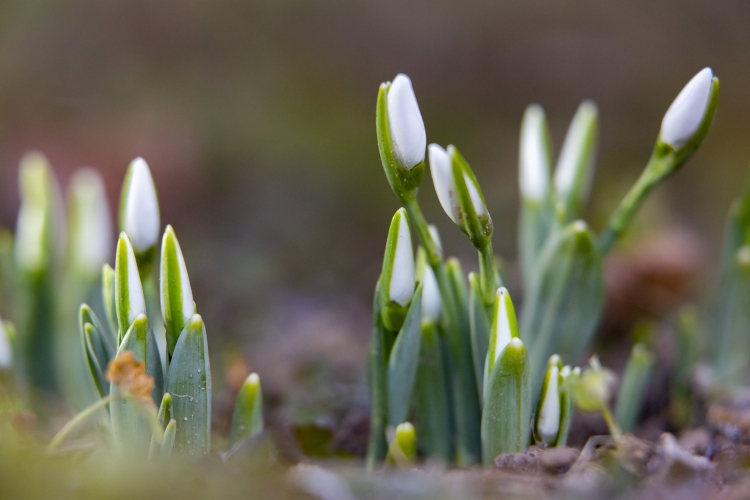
[480, 330]
[163, 418]
[433, 407]
[474, 219]
[564, 305]
[378, 384]
[731, 343]
[108, 299]
[403, 362]
[129, 299]
[569, 378]
[634, 387]
[189, 383]
[98, 348]
[167, 444]
[130, 418]
[177, 304]
[504, 329]
[506, 416]
[247, 417]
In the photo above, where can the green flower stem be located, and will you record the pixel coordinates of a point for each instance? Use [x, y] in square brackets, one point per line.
[78, 419]
[434, 254]
[614, 430]
[634, 386]
[488, 276]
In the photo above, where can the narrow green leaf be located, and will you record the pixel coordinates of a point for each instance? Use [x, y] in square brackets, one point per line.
[433, 406]
[189, 383]
[564, 304]
[163, 418]
[403, 362]
[140, 340]
[129, 299]
[378, 384]
[247, 417]
[177, 304]
[506, 417]
[634, 386]
[569, 378]
[167, 445]
[480, 330]
[95, 369]
[108, 299]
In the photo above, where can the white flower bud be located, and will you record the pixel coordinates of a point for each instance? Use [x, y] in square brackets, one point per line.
[402, 278]
[504, 323]
[6, 351]
[90, 224]
[684, 116]
[432, 305]
[548, 424]
[408, 135]
[140, 211]
[574, 169]
[442, 176]
[534, 160]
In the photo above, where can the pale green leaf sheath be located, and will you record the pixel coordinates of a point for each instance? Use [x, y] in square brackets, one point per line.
[108, 299]
[189, 383]
[129, 300]
[163, 418]
[403, 362]
[506, 416]
[247, 417]
[177, 306]
[547, 422]
[130, 425]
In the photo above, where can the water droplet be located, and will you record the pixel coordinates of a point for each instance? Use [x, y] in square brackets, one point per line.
[191, 375]
[199, 371]
[185, 419]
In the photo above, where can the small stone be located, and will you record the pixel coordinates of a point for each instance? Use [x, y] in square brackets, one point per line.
[527, 462]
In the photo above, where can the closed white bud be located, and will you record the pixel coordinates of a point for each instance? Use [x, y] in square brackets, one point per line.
[6, 351]
[534, 160]
[504, 321]
[574, 169]
[140, 209]
[432, 305]
[684, 116]
[408, 135]
[402, 278]
[442, 176]
[548, 424]
[90, 222]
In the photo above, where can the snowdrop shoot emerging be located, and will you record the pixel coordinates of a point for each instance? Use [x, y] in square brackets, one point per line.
[177, 306]
[129, 299]
[139, 213]
[408, 135]
[684, 116]
[535, 160]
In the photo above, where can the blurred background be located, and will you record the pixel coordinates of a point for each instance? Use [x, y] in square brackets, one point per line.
[257, 119]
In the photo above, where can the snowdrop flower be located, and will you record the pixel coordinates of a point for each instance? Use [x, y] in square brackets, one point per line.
[90, 223]
[129, 300]
[408, 136]
[34, 234]
[534, 156]
[685, 115]
[139, 211]
[177, 306]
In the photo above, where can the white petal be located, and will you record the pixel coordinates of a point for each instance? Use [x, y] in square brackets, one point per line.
[476, 199]
[442, 177]
[549, 415]
[568, 168]
[141, 217]
[6, 352]
[432, 305]
[407, 128]
[534, 162]
[402, 275]
[684, 116]
[135, 289]
[502, 320]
